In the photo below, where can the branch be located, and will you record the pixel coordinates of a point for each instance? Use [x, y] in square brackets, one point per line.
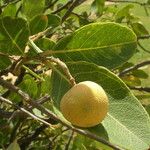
[11, 68]
[62, 65]
[40, 34]
[18, 81]
[63, 7]
[145, 89]
[50, 5]
[143, 37]
[20, 114]
[74, 4]
[54, 60]
[2, 99]
[69, 141]
[44, 99]
[135, 67]
[29, 100]
[127, 1]
[13, 2]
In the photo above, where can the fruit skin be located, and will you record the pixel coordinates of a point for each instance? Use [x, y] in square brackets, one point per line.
[85, 104]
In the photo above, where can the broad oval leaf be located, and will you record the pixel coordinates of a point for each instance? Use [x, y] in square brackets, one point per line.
[139, 29]
[38, 24]
[127, 123]
[9, 10]
[53, 20]
[106, 44]
[14, 35]
[31, 8]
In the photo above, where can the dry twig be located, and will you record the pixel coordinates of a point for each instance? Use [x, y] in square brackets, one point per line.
[135, 67]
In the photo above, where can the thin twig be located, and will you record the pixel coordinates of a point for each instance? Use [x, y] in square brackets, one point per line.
[135, 67]
[10, 68]
[37, 36]
[24, 110]
[20, 114]
[44, 99]
[48, 61]
[29, 100]
[14, 131]
[50, 5]
[62, 65]
[63, 7]
[74, 4]
[25, 142]
[13, 2]
[127, 1]
[145, 89]
[69, 141]
[40, 34]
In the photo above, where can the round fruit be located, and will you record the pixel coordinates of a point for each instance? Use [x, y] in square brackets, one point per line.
[85, 104]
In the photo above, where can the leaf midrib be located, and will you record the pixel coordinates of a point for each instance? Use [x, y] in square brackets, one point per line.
[94, 48]
[13, 41]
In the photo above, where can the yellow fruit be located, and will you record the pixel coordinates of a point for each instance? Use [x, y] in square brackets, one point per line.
[85, 104]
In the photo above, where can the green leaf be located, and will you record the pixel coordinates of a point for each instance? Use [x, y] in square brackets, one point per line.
[38, 24]
[127, 123]
[98, 6]
[31, 8]
[140, 74]
[139, 29]
[10, 10]
[14, 146]
[44, 44]
[14, 35]
[4, 62]
[28, 85]
[106, 44]
[122, 13]
[81, 142]
[53, 20]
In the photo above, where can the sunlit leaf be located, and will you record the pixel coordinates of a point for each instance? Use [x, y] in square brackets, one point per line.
[106, 44]
[38, 24]
[14, 35]
[126, 115]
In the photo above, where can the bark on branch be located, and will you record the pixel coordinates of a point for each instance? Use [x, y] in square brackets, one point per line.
[29, 100]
